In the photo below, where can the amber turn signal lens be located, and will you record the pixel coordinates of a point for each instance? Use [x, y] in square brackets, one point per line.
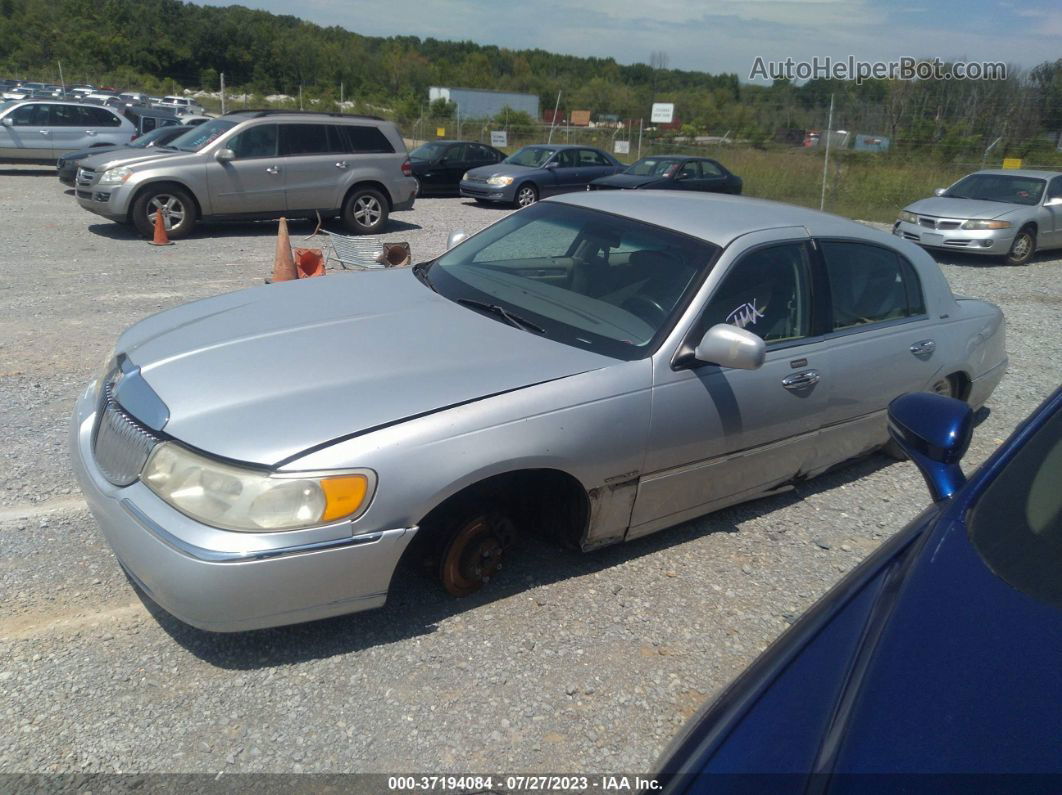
[344, 495]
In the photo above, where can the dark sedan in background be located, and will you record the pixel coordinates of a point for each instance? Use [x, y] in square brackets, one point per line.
[439, 165]
[535, 172]
[934, 666]
[673, 172]
[67, 164]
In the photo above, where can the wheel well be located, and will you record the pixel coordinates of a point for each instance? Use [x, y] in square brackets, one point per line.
[165, 183]
[545, 501]
[961, 384]
[1031, 225]
[370, 184]
[530, 182]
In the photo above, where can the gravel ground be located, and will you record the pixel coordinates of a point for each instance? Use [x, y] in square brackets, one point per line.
[571, 663]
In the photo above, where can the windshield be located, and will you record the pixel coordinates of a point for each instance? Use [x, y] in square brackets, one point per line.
[430, 151]
[533, 156]
[195, 139]
[998, 188]
[589, 279]
[1016, 525]
[7, 103]
[149, 138]
[652, 167]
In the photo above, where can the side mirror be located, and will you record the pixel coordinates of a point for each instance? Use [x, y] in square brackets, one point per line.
[730, 346]
[935, 432]
[224, 155]
[940, 191]
[456, 236]
[9, 122]
[1054, 201]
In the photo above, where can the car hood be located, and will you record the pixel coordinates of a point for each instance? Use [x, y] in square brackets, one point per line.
[128, 156]
[503, 169]
[933, 665]
[263, 374]
[93, 152]
[624, 181]
[943, 207]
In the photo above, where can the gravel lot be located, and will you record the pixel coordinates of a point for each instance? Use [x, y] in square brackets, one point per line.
[571, 663]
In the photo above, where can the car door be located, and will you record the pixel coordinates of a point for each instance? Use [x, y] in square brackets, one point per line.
[1051, 217]
[315, 161]
[720, 435]
[565, 175]
[711, 178]
[26, 133]
[447, 173]
[593, 164]
[104, 126]
[253, 181]
[882, 343]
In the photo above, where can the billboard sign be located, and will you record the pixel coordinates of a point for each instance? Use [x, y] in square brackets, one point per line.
[663, 113]
[621, 147]
[499, 138]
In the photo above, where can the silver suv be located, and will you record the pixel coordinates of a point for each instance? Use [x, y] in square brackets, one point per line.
[42, 130]
[259, 164]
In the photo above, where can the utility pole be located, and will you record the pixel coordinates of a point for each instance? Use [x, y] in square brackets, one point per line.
[826, 159]
[553, 121]
[222, 93]
[61, 81]
[300, 96]
[341, 95]
[640, 138]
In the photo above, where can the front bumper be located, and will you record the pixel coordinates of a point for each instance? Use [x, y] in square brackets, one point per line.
[994, 242]
[486, 193]
[229, 582]
[110, 201]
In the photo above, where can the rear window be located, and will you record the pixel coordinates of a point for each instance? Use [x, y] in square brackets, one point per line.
[304, 139]
[365, 140]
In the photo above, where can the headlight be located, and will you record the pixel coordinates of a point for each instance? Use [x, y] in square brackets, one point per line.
[248, 500]
[115, 176]
[910, 218]
[986, 225]
[498, 181]
[464, 176]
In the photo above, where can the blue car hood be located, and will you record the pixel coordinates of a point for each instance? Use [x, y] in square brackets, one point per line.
[934, 665]
[625, 181]
[504, 169]
[262, 374]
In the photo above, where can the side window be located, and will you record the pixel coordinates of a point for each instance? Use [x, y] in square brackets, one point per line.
[31, 116]
[767, 292]
[690, 169]
[869, 284]
[98, 117]
[588, 157]
[147, 123]
[456, 154]
[303, 139]
[710, 169]
[567, 158]
[366, 140]
[65, 116]
[258, 141]
[482, 154]
[1054, 188]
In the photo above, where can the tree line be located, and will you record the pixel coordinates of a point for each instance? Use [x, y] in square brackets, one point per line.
[162, 45]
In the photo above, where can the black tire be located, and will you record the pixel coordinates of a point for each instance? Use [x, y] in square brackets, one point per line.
[180, 215]
[948, 387]
[526, 195]
[1023, 247]
[365, 211]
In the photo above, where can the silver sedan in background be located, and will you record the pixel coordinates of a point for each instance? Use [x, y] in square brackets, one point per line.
[595, 367]
[1011, 214]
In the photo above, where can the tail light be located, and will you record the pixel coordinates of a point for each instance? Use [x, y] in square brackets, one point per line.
[407, 168]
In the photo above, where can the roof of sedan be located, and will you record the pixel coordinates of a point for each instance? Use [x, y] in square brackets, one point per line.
[717, 218]
[1021, 172]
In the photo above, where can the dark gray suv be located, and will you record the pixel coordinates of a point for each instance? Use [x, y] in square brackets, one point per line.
[259, 164]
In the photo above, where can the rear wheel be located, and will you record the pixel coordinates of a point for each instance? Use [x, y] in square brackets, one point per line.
[176, 206]
[948, 387]
[1023, 247]
[365, 211]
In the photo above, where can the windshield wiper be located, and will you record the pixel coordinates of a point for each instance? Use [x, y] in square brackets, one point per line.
[420, 270]
[504, 314]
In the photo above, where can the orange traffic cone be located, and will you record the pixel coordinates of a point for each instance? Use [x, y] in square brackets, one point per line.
[283, 263]
[309, 262]
[161, 238]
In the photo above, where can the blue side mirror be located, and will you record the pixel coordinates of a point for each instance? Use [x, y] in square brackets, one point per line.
[935, 432]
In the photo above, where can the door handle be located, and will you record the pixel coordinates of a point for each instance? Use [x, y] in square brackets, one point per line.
[90, 132]
[45, 132]
[923, 348]
[273, 170]
[342, 164]
[802, 380]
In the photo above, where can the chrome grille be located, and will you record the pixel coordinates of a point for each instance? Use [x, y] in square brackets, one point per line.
[122, 444]
[85, 177]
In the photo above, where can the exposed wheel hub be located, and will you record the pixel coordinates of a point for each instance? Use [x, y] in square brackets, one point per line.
[474, 554]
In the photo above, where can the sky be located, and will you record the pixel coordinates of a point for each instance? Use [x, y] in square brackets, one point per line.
[714, 35]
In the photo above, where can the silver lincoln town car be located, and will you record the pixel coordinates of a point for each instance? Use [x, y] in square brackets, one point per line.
[595, 367]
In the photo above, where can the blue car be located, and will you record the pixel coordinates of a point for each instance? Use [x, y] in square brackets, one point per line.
[936, 665]
[534, 172]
